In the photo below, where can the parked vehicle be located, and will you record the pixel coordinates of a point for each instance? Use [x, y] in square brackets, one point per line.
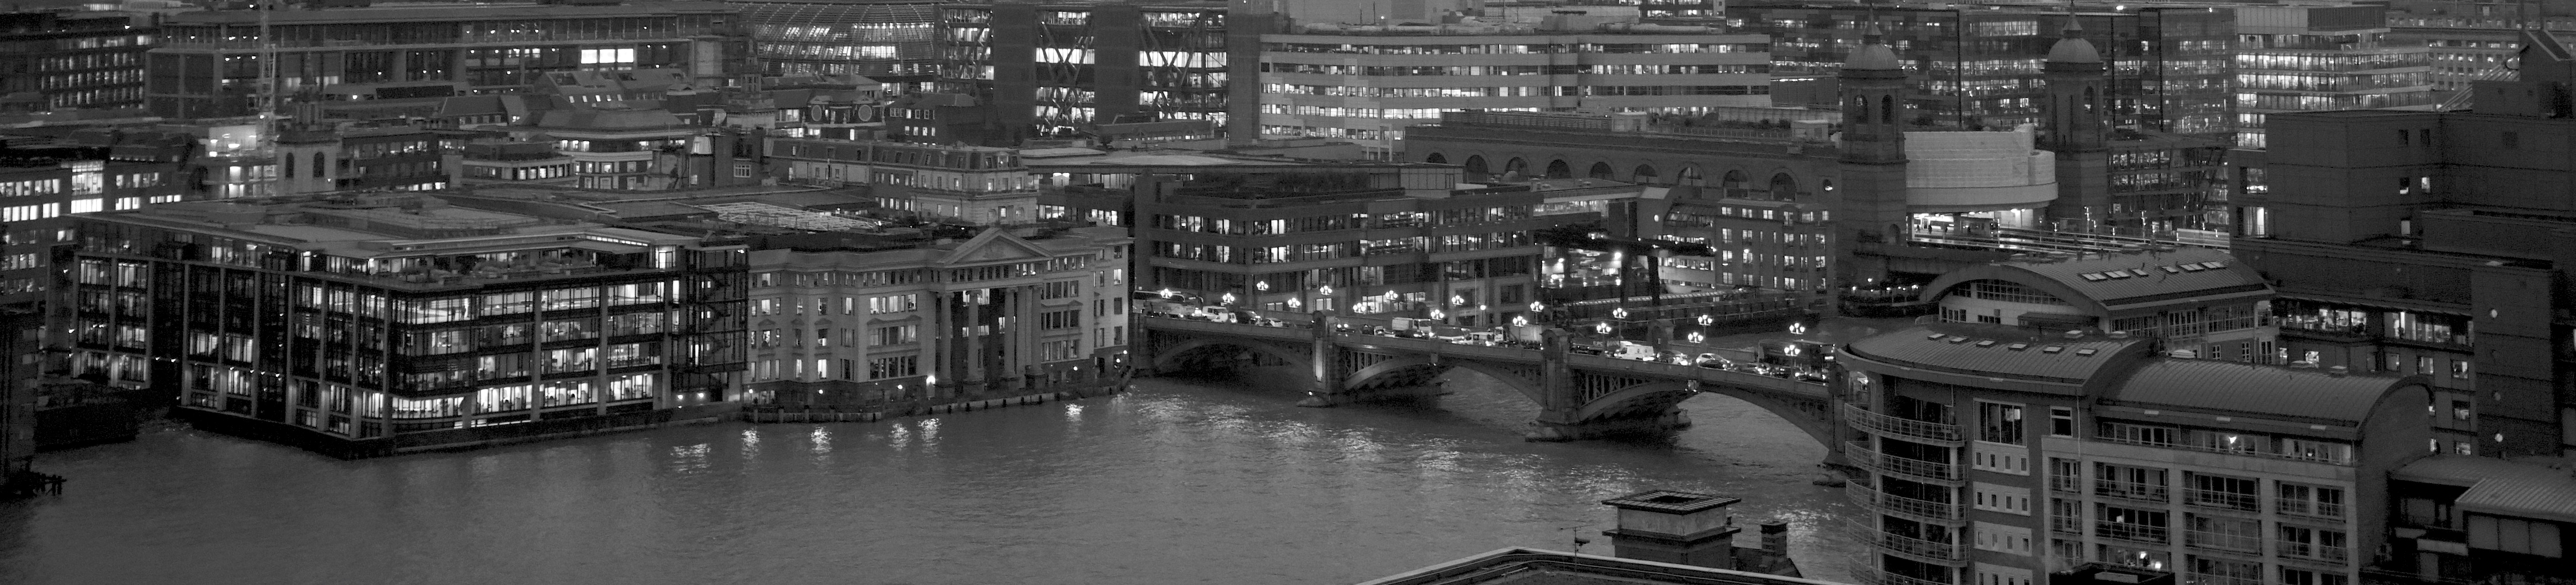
[1630, 350]
[1488, 338]
[1713, 361]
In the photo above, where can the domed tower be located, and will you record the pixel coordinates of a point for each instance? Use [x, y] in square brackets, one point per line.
[1870, 200]
[2079, 122]
[1873, 109]
[2077, 116]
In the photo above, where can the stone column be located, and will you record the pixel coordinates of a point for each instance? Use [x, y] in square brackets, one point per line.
[1556, 383]
[1326, 358]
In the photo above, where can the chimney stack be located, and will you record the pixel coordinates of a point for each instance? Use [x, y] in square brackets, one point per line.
[1775, 537]
[1675, 527]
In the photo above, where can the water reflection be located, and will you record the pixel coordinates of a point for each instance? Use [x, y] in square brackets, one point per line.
[1146, 488]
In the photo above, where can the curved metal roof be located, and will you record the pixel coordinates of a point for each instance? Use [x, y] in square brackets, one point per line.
[1993, 350]
[2073, 50]
[2211, 385]
[2114, 282]
[2500, 487]
[1873, 57]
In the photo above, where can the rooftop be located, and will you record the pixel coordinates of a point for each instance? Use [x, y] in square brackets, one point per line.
[2223, 386]
[1994, 350]
[1526, 566]
[2500, 487]
[2122, 280]
[1669, 502]
[421, 13]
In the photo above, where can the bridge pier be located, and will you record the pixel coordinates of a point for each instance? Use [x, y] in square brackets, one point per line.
[1327, 361]
[1667, 421]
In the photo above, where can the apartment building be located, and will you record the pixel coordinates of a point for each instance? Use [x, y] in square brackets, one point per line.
[1993, 454]
[2455, 519]
[207, 64]
[66, 60]
[1367, 82]
[377, 324]
[853, 318]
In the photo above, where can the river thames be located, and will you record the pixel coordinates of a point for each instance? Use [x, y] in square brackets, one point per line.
[1177, 482]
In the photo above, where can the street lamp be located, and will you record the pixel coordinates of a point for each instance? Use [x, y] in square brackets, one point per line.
[1326, 290]
[1707, 320]
[1294, 305]
[1227, 299]
[1457, 301]
[1263, 286]
[1604, 328]
[1520, 321]
[1619, 313]
[1536, 306]
[1167, 293]
[1696, 337]
[1436, 314]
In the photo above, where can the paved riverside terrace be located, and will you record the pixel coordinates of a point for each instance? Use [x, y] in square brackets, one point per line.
[1580, 396]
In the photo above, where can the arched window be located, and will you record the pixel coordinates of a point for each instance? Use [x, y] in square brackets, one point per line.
[288, 170]
[1516, 168]
[1733, 181]
[1475, 164]
[1601, 170]
[1690, 176]
[1887, 109]
[1557, 169]
[1645, 174]
[317, 165]
[1859, 109]
[1436, 159]
[1784, 187]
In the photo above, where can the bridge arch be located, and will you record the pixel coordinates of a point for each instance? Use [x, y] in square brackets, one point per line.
[1655, 397]
[1516, 380]
[1169, 357]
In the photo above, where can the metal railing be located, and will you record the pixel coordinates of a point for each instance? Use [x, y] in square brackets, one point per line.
[2292, 549]
[1902, 427]
[2235, 543]
[1913, 469]
[2222, 500]
[2067, 484]
[2131, 491]
[2066, 525]
[1868, 575]
[2307, 508]
[2133, 532]
[1910, 508]
[1947, 553]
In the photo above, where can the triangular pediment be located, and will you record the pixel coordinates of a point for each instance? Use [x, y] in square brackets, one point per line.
[994, 245]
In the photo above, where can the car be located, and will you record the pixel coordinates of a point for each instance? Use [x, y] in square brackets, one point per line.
[1711, 360]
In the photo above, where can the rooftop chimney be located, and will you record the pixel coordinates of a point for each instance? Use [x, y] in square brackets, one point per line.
[1775, 537]
[2338, 371]
[1675, 527]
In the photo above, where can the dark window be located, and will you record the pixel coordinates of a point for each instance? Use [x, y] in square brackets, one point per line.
[2512, 140]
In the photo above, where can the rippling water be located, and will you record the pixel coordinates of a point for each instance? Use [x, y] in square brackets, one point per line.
[1179, 482]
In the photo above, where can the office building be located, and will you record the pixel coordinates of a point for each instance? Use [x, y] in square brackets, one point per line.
[357, 157]
[2315, 58]
[67, 60]
[44, 180]
[2135, 293]
[850, 314]
[888, 40]
[207, 64]
[377, 324]
[970, 185]
[1367, 82]
[1998, 454]
[1977, 67]
[2421, 242]
[1060, 69]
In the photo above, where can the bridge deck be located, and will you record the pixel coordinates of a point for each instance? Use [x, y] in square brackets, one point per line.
[1782, 387]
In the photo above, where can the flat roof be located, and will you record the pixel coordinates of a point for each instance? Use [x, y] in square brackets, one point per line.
[452, 12]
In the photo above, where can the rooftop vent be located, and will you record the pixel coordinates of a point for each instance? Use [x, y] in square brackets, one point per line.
[2338, 371]
[1985, 343]
[2074, 334]
[2018, 346]
[2052, 349]
[2087, 351]
[2119, 335]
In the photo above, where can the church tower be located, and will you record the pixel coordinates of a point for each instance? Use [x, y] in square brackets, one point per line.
[1870, 194]
[2078, 128]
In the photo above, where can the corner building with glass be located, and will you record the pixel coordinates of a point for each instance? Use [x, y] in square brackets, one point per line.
[384, 324]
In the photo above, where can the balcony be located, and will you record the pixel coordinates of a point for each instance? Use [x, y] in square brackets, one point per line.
[2139, 533]
[2308, 509]
[1943, 434]
[2135, 492]
[1868, 575]
[1901, 506]
[2301, 551]
[1943, 553]
[2066, 484]
[2218, 500]
[2067, 525]
[1910, 469]
[2237, 544]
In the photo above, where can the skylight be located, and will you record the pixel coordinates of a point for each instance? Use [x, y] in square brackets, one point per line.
[2052, 349]
[1985, 343]
[2018, 346]
[2095, 277]
[2087, 351]
[2194, 267]
[2141, 272]
[2170, 269]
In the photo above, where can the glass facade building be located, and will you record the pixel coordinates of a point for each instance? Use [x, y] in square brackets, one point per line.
[1979, 68]
[885, 40]
[1059, 68]
[375, 325]
[2312, 58]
